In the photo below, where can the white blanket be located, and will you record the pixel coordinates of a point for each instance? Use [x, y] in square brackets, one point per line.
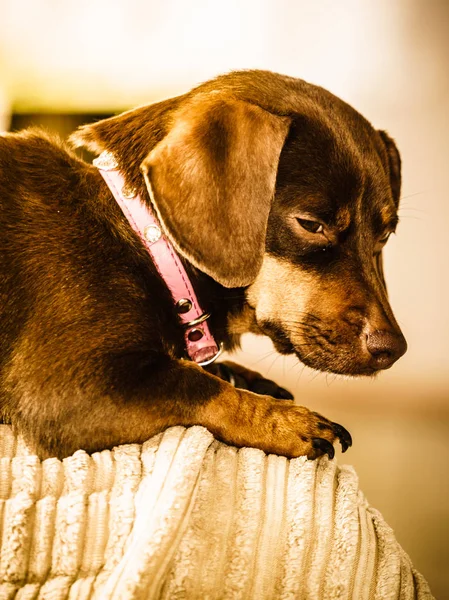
[184, 516]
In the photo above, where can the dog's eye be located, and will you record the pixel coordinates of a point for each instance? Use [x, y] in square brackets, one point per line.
[381, 242]
[384, 238]
[311, 226]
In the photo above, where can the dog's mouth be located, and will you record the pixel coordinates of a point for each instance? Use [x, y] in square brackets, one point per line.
[278, 336]
[341, 362]
[327, 350]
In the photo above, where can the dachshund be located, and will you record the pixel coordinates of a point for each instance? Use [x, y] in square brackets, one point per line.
[278, 197]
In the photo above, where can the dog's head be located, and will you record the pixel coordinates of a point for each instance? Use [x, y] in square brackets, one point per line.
[269, 183]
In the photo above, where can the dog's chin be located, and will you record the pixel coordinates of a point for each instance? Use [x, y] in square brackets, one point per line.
[278, 336]
[336, 364]
[283, 347]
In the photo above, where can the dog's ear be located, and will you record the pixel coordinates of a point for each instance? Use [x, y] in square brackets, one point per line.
[211, 180]
[394, 164]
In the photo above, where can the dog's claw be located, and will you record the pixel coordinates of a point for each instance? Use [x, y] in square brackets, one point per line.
[344, 436]
[283, 394]
[324, 445]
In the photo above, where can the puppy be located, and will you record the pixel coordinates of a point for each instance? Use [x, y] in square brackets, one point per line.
[278, 197]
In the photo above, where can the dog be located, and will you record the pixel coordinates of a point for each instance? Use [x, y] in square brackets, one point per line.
[278, 197]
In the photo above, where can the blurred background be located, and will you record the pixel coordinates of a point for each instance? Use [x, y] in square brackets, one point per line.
[64, 63]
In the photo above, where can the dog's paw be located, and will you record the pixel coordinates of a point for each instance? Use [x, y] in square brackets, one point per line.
[245, 379]
[242, 418]
[297, 431]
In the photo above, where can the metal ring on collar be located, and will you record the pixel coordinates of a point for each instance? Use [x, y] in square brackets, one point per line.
[211, 360]
[197, 321]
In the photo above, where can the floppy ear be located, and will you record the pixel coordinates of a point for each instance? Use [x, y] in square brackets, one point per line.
[211, 180]
[394, 162]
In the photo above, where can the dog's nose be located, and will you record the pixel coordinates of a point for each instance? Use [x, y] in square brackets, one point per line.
[385, 347]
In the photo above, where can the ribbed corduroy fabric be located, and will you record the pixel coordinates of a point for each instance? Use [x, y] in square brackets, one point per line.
[186, 517]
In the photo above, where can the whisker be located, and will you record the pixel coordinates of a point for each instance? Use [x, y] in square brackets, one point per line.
[416, 218]
[300, 374]
[405, 207]
[272, 364]
[333, 378]
[317, 374]
[413, 195]
[264, 357]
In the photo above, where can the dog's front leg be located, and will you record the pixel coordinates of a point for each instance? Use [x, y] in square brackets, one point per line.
[182, 393]
[242, 418]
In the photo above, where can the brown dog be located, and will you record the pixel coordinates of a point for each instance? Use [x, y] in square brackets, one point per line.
[278, 196]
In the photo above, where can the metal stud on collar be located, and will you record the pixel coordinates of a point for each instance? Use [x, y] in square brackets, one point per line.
[195, 334]
[106, 161]
[184, 305]
[128, 192]
[152, 233]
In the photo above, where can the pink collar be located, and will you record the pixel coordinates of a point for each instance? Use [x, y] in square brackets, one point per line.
[200, 344]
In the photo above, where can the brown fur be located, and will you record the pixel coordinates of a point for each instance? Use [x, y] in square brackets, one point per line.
[90, 343]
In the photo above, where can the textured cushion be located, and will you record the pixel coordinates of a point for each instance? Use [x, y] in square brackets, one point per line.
[185, 516]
